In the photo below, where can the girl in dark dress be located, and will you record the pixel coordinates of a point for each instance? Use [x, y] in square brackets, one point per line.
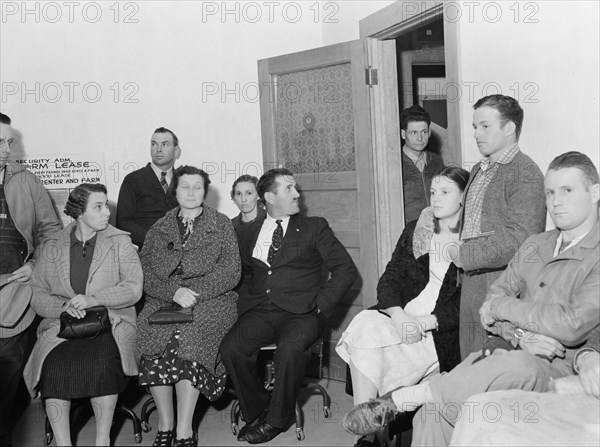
[243, 193]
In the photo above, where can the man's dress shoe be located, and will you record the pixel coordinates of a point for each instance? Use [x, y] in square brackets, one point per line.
[262, 433]
[260, 419]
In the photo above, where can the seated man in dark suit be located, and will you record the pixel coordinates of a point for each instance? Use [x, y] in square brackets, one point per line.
[143, 197]
[281, 294]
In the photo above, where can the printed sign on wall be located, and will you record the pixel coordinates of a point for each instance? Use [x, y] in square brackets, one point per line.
[63, 173]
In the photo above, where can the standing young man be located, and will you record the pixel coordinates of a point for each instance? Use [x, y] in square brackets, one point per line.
[503, 205]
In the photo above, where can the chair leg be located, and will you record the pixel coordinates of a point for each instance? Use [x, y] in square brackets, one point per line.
[299, 423]
[147, 408]
[325, 395]
[234, 417]
[49, 436]
[137, 428]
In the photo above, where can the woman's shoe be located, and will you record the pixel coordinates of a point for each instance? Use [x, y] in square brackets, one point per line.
[164, 438]
[363, 442]
[188, 442]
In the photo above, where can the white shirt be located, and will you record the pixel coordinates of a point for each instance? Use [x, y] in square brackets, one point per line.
[265, 237]
[158, 172]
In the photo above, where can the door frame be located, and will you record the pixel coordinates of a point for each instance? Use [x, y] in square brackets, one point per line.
[402, 17]
[388, 23]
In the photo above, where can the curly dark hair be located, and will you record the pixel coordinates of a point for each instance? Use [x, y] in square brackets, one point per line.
[414, 113]
[78, 199]
[189, 170]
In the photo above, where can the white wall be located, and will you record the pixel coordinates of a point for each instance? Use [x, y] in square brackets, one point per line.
[340, 19]
[189, 66]
[551, 66]
[173, 55]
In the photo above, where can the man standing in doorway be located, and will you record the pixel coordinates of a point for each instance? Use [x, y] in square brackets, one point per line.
[419, 165]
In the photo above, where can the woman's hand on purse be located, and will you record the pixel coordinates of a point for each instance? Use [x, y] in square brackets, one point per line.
[185, 297]
[77, 313]
[82, 302]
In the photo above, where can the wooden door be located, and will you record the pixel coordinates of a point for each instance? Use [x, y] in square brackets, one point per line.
[316, 121]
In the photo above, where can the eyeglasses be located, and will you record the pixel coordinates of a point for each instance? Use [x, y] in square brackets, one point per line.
[11, 142]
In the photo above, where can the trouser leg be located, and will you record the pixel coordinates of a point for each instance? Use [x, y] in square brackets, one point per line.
[295, 334]
[500, 371]
[13, 353]
[239, 352]
[429, 427]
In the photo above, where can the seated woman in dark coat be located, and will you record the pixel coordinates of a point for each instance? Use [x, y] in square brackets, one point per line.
[191, 258]
[414, 331]
[89, 263]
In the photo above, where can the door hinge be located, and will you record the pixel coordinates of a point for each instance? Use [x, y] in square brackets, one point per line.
[371, 76]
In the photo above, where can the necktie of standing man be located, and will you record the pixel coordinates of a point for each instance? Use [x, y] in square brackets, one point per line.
[276, 242]
[163, 181]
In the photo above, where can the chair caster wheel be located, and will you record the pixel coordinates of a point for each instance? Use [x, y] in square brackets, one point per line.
[138, 439]
[300, 434]
[146, 427]
[235, 429]
[326, 412]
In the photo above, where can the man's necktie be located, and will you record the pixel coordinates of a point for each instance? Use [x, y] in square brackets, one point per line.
[276, 242]
[163, 181]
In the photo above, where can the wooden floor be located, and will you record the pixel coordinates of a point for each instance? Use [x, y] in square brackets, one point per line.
[214, 427]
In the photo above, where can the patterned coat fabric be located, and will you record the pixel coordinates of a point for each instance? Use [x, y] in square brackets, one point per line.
[211, 266]
[115, 279]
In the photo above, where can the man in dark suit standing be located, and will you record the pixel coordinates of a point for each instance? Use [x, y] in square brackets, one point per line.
[143, 197]
[282, 292]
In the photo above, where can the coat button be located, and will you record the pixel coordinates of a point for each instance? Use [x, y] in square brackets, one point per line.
[268, 290]
[542, 284]
[269, 272]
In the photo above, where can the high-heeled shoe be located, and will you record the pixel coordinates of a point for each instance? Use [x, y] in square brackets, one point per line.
[192, 441]
[164, 438]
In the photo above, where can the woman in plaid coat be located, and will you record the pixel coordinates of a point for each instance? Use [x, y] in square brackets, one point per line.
[89, 263]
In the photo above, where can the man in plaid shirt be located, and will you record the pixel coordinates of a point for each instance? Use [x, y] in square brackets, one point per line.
[503, 205]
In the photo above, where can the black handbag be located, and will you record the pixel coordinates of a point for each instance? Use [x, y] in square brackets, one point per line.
[94, 323]
[171, 314]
